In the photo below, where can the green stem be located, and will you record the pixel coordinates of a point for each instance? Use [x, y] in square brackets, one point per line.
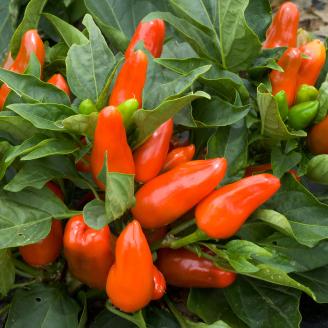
[181, 320]
[194, 237]
[23, 274]
[4, 310]
[181, 227]
[24, 284]
[66, 215]
[136, 318]
[27, 269]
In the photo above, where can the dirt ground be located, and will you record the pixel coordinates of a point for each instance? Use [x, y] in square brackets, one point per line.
[314, 16]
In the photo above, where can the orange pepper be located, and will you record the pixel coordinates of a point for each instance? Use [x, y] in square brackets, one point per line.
[178, 156]
[59, 81]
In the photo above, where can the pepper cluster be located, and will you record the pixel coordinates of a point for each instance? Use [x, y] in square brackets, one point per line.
[171, 184]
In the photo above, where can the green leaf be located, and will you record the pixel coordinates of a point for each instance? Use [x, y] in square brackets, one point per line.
[223, 83]
[323, 102]
[230, 142]
[211, 305]
[302, 258]
[52, 147]
[239, 45]
[32, 89]
[94, 214]
[8, 20]
[43, 116]
[282, 163]
[272, 124]
[30, 21]
[70, 34]
[317, 169]
[106, 319]
[157, 91]
[317, 281]
[279, 306]
[31, 219]
[217, 112]
[147, 121]
[7, 273]
[42, 306]
[306, 215]
[276, 220]
[38, 172]
[81, 124]
[119, 194]
[89, 65]
[34, 67]
[118, 20]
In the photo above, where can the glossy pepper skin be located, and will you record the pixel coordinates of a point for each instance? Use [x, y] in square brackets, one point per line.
[150, 157]
[178, 156]
[290, 61]
[89, 252]
[317, 138]
[31, 42]
[283, 29]
[301, 115]
[159, 284]
[48, 249]
[281, 99]
[110, 137]
[152, 33]
[59, 81]
[314, 58]
[130, 282]
[222, 213]
[131, 79]
[306, 93]
[165, 198]
[182, 268]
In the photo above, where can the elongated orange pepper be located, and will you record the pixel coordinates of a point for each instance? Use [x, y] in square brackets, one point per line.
[290, 61]
[110, 138]
[47, 250]
[283, 30]
[165, 198]
[183, 268]
[130, 80]
[89, 252]
[150, 157]
[130, 282]
[221, 214]
[59, 81]
[31, 43]
[179, 156]
[313, 60]
[152, 33]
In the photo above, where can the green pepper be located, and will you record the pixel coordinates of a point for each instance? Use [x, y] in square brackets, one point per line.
[127, 109]
[87, 107]
[282, 103]
[306, 93]
[301, 115]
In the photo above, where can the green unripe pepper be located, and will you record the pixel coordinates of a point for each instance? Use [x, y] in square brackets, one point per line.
[301, 115]
[282, 103]
[127, 109]
[87, 107]
[306, 93]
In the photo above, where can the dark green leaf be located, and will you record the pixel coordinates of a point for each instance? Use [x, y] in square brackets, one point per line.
[282, 163]
[30, 221]
[32, 89]
[42, 306]
[279, 306]
[81, 124]
[94, 214]
[89, 65]
[106, 319]
[119, 194]
[43, 116]
[7, 273]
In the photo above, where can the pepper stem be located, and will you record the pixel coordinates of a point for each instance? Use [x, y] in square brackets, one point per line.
[194, 237]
